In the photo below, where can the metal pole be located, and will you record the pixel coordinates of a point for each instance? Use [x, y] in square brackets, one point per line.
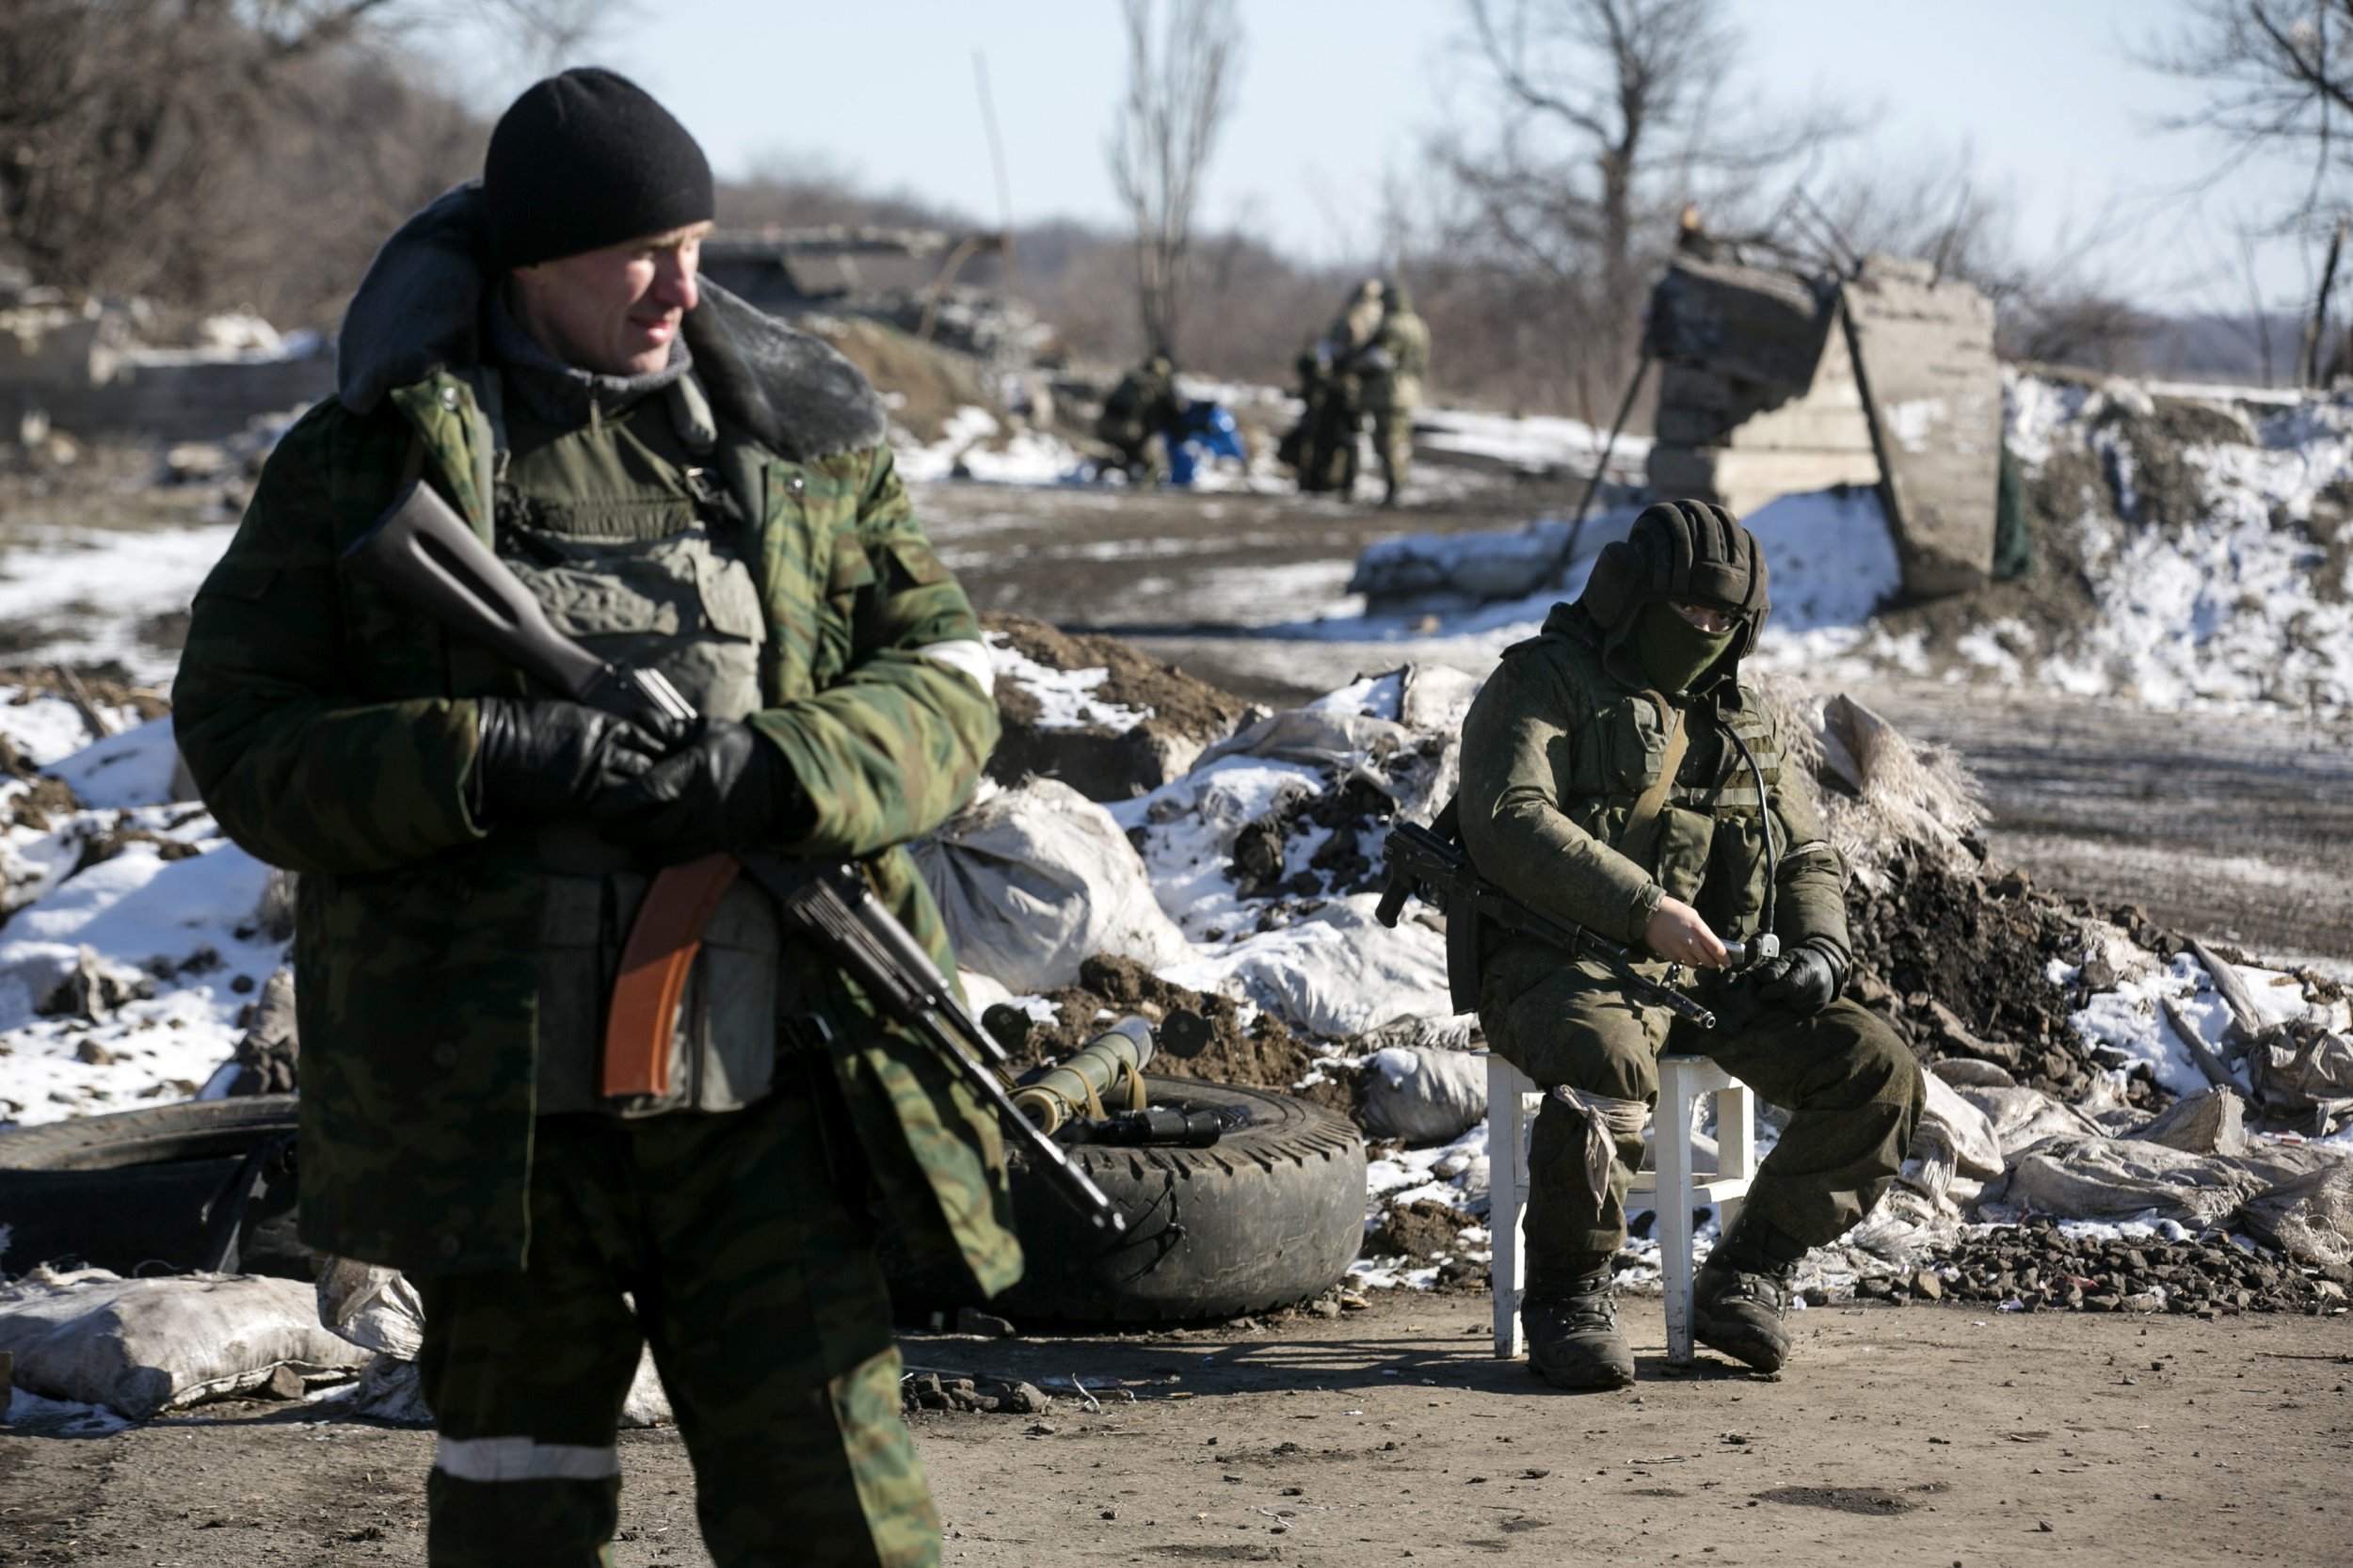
[1577, 527]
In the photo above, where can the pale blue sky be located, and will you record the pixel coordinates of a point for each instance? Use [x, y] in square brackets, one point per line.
[1336, 97]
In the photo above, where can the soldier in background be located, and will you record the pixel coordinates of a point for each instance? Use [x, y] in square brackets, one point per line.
[1143, 405]
[1393, 365]
[1331, 374]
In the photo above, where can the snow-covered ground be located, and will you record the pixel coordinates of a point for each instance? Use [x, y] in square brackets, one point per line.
[2246, 598]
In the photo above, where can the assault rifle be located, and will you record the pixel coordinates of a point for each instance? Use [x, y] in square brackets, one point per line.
[1424, 865]
[423, 553]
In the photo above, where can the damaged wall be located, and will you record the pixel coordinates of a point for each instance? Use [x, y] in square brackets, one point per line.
[1774, 384]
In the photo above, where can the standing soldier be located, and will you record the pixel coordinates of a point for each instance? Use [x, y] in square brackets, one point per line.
[1338, 413]
[1394, 364]
[1616, 774]
[686, 484]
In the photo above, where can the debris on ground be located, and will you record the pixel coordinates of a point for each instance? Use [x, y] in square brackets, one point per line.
[1095, 712]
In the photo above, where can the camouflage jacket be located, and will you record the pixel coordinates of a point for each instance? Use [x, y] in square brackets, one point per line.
[1394, 383]
[331, 729]
[1560, 744]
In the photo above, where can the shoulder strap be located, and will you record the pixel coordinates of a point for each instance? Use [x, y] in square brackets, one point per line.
[1654, 799]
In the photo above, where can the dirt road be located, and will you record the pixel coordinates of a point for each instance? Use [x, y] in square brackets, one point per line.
[1925, 1435]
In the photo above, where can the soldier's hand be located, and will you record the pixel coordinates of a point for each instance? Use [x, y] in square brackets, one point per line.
[1678, 934]
[1805, 980]
[728, 788]
[554, 759]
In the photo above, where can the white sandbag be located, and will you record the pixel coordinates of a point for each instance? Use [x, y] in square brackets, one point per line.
[376, 1309]
[1033, 881]
[141, 1346]
[2022, 1117]
[1319, 737]
[1335, 973]
[387, 1391]
[1953, 1126]
[1425, 1095]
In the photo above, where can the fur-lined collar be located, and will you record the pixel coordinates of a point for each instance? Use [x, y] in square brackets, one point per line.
[419, 312]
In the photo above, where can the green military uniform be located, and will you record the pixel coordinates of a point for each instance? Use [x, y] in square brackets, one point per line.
[1399, 359]
[332, 730]
[1143, 405]
[1564, 805]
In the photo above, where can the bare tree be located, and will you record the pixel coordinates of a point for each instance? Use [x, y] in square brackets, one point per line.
[1612, 116]
[179, 147]
[2276, 81]
[1180, 83]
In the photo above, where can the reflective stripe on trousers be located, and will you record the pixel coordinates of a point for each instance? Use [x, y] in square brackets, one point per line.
[494, 1459]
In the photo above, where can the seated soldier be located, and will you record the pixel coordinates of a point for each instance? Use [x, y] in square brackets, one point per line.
[1616, 774]
[1143, 405]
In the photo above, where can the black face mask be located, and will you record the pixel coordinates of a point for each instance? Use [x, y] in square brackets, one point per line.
[1672, 651]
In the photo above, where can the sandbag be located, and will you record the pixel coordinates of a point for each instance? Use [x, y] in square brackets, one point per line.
[1034, 880]
[1424, 1095]
[2310, 1218]
[1337, 972]
[379, 1311]
[1951, 1125]
[375, 1308]
[2118, 1178]
[141, 1346]
[2022, 1117]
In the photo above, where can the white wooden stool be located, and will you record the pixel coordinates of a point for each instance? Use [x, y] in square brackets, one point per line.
[1675, 1186]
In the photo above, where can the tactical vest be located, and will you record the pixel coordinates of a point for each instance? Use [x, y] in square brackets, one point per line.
[1705, 845]
[621, 533]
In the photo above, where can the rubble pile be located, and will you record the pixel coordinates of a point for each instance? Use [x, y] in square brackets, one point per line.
[2039, 1266]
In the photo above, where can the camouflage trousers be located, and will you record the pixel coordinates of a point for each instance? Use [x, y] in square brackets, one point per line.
[1853, 1092]
[1393, 439]
[763, 1303]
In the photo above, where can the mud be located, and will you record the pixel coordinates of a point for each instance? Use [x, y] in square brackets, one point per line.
[1262, 1054]
[1100, 761]
[1422, 1230]
[1934, 947]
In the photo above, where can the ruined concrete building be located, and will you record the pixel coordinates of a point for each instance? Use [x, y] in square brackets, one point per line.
[1775, 382]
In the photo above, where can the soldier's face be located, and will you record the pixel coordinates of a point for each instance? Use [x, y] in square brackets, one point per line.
[616, 310]
[1707, 617]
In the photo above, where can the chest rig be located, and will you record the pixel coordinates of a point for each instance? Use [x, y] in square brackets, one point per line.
[623, 534]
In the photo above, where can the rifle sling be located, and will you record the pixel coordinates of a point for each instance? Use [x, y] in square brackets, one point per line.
[1634, 842]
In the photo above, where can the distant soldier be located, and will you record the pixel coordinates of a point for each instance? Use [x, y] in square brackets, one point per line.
[1336, 415]
[1143, 405]
[1393, 365]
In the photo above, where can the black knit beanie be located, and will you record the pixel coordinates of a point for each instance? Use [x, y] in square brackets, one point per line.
[585, 160]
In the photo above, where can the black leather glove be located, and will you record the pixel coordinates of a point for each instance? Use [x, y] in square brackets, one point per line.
[1805, 979]
[727, 789]
[554, 759]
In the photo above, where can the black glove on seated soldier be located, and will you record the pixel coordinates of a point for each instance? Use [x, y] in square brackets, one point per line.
[554, 759]
[1805, 979]
[728, 788]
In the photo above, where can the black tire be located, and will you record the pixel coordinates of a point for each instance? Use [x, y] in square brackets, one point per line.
[1271, 1215]
[151, 1190]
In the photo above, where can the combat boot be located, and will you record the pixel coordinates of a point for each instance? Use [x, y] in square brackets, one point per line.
[1738, 1307]
[1572, 1337]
